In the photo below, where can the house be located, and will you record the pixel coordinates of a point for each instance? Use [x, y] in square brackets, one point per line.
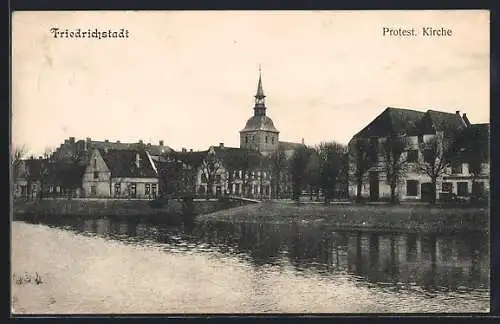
[64, 179]
[124, 173]
[416, 167]
[29, 176]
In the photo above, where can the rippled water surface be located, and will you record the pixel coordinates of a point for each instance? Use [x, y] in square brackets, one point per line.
[307, 268]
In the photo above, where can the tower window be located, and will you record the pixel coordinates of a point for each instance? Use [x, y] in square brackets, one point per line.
[266, 139]
[272, 140]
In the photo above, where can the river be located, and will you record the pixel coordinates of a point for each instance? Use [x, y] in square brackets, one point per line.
[296, 268]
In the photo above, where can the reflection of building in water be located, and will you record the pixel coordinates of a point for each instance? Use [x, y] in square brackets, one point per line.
[103, 226]
[89, 225]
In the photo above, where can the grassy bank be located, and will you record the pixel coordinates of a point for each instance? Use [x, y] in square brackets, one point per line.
[412, 217]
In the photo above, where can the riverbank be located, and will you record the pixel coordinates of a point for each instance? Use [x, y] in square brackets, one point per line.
[409, 217]
[55, 271]
[171, 210]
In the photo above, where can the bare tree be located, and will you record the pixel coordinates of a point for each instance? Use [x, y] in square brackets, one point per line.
[210, 167]
[48, 152]
[331, 156]
[17, 156]
[359, 156]
[395, 162]
[436, 158]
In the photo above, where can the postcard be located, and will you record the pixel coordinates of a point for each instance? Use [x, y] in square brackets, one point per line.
[250, 162]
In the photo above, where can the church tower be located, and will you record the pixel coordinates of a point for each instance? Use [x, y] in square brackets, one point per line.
[259, 133]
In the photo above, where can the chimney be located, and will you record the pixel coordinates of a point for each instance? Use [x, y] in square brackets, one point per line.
[184, 149]
[117, 142]
[71, 139]
[141, 142]
[89, 139]
[40, 157]
[137, 160]
[221, 145]
[466, 120]
[191, 150]
[161, 142]
[106, 141]
[302, 141]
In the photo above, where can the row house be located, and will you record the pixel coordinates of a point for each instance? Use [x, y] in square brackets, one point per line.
[217, 171]
[121, 174]
[451, 134]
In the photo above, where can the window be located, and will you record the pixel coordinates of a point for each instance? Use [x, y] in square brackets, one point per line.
[246, 139]
[147, 189]
[132, 190]
[237, 188]
[218, 178]
[447, 187]
[201, 189]
[412, 156]
[51, 188]
[118, 189]
[272, 140]
[412, 188]
[462, 189]
[266, 139]
[420, 139]
[253, 138]
[95, 163]
[93, 190]
[456, 168]
[58, 189]
[153, 190]
[96, 175]
[33, 187]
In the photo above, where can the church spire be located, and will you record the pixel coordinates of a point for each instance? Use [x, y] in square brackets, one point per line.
[260, 103]
[260, 92]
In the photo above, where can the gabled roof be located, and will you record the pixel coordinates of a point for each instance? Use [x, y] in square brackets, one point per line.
[231, 157]
[449, 123]
[391, 121]
[193, 158]
[65, 174]
[239, 158]
[122, 163]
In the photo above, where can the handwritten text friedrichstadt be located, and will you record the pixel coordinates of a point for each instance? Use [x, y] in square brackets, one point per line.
[89, 33]
[412, 32]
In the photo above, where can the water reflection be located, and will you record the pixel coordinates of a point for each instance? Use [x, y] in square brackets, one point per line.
[427, 263]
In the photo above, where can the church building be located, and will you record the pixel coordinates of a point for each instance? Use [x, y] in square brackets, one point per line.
[259, 133]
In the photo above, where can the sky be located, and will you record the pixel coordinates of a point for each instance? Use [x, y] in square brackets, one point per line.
[189, 77]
